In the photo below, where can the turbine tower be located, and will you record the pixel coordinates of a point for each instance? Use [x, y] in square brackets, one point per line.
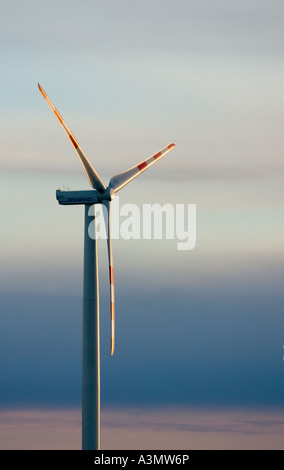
[99, 194]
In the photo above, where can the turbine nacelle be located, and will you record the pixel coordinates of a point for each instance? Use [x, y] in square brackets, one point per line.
[90, 196]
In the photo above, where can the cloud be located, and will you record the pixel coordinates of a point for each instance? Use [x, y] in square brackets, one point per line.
[150, 428]
[222, 173]
[203, 348]
[103, 28]
[191, 429]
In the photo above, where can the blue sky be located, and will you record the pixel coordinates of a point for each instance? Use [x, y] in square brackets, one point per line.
[200, 327]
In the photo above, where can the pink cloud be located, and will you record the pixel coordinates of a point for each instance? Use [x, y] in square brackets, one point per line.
[183, 429]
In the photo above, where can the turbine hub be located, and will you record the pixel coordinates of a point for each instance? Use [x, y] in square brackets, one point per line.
[108, 195]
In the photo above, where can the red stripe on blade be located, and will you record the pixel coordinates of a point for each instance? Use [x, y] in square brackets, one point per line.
[171, 146]
[74, 141]
[157, 155]
[142, 166]
[42, 91]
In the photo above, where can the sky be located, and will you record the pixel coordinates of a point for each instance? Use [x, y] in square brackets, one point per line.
[197, 330]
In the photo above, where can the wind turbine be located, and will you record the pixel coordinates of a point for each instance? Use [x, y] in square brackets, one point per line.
[100, 194]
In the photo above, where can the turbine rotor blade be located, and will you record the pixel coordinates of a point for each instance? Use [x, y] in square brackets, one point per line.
[117, 182]
[107, 205]
[92, 175]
